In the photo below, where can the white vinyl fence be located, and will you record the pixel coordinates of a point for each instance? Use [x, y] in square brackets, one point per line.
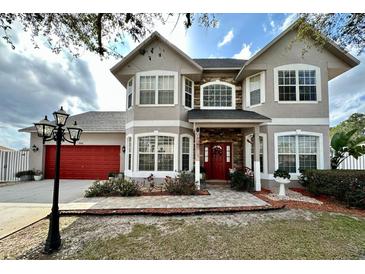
[352, 163]
[11, 162]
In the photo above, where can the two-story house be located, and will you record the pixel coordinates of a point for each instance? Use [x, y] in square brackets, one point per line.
[265, 113]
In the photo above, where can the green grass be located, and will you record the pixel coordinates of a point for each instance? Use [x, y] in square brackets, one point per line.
[325, 237]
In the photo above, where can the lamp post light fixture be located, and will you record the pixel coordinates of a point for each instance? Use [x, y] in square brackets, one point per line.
[56, 132]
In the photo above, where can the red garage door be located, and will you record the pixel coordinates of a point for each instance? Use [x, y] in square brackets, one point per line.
[83, 162]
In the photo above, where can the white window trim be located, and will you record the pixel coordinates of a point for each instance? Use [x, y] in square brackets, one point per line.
[298, 67]
[299, 132]
[127, 153]
[131, 92]
[219, 83]
[157, 73]
[183, 92]
[248, 151]
[157, 174]
[191, 147]
[262, 90]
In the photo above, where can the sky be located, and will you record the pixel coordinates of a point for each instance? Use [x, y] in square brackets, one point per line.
[36, 82]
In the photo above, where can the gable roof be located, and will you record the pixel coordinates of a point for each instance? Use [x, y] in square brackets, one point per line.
[94, 121]
[220, 63]
[339, 52]
[155, 35]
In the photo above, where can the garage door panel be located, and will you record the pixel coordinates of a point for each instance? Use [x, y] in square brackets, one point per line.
[83, 162]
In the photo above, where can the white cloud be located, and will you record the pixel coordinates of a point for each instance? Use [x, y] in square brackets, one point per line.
[264, 27]
[288, 21]
[226, 39]
[245, 52]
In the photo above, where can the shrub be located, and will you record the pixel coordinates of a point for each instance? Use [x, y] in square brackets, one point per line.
[183, 184]
[240, 181]
[24, 173]
[345, 185]
[117, 187]
[281, 173]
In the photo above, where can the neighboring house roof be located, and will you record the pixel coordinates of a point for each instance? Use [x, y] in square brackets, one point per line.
[95, 121]
[153, 36]
[220, 63]
[2, 148]
[331, 45]
[231, 114]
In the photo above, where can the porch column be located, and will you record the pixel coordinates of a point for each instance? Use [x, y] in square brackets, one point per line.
[197, 155]
[256, 163]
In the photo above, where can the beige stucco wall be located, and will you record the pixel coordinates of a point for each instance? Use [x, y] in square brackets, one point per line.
[36, 159]
[285, 52]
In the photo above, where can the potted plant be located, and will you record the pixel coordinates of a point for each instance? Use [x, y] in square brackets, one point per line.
[37, 175]
[26, 175]
[282, 177]
[111, 176]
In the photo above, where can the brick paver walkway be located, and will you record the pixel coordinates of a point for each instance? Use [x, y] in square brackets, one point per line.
[220, 197]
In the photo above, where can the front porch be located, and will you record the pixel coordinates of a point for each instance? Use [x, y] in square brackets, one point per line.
[221, 142]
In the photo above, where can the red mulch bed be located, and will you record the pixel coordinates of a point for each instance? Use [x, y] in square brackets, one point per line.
[167, 211]
[164, 193]
[329, 203]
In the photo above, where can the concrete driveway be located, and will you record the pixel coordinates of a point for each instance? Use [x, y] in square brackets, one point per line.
[24, 203]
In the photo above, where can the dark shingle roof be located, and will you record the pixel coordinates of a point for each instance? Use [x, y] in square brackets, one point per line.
[220, 63]
[237, 114]
[95, 121]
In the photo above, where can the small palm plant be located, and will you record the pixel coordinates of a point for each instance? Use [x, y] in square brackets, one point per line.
[345, 145]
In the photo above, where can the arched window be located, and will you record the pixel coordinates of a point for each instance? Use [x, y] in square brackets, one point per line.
[217, 95]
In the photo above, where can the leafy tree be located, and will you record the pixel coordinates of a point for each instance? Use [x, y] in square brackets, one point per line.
[355, 121]
[100, 33]
[345, 145]
[346, 29]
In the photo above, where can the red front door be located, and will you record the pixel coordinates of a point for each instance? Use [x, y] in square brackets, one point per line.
[217, 160]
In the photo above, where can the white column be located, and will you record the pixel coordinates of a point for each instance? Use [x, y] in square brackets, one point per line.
[256, 162]
[197, 155]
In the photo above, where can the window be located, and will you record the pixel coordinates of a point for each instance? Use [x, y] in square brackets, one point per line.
[261, 154]
[129, 93]
[206, 152]
[147, 90]
[156, 159]
[157, 88]
[297, 152]
[188, 92]
[129, 153]
[217, 95]
[297, 83]
[165, 153]
[255, 89]
[228, 154]
[165, 90]
[287, 85]
[185, 152]
[307, 85]
[146, 146]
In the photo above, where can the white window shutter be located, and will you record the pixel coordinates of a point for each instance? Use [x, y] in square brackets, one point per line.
[319, 84]
[247, 92]
[276, 88]
[262, 87]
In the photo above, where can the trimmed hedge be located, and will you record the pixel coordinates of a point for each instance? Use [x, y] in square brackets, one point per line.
[345, 185]
[241, 182]
[115, 187]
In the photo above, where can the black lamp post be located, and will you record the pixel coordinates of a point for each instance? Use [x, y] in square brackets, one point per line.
[56, 132]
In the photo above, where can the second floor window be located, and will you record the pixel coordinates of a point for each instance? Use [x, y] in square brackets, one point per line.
[188, 92]
[157, 88]
[297, 82]
[129, 93]
[217, 95]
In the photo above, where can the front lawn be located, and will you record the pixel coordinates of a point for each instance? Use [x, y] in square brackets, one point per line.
[285, 234]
